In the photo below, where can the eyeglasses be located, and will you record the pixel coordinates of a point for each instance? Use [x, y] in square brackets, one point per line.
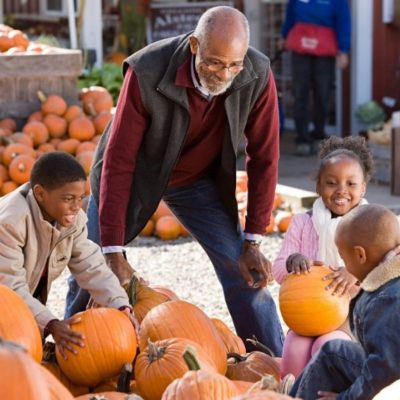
[217, 66]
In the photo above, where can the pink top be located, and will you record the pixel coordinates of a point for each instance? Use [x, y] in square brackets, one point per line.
[301, 237]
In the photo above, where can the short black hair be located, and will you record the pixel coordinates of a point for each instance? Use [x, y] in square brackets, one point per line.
[54, 169]
[351, 146]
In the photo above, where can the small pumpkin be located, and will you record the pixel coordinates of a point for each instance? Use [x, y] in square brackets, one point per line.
[307, 307]
[252, 366]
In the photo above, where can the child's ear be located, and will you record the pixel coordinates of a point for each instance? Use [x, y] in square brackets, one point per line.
[360, 254]
[38, 191]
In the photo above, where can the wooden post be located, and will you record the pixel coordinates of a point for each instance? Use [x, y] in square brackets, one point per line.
[395, 181]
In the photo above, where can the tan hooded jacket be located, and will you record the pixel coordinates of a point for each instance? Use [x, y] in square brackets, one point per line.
[27, 242]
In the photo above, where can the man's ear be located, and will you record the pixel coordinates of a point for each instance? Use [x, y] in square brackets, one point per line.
[360, 254]
[194, 44]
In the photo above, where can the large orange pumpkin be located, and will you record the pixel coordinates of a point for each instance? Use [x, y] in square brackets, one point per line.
[110, 342]
[162, 362]
[187, 321]
[17, 323]
[307, 308]
[20, 376]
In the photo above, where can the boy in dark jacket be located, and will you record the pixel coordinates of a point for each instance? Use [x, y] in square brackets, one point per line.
[368, 239]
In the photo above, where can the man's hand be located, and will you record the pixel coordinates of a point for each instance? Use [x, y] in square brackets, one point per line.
[120, 266]
[64, 336]
[253, 261]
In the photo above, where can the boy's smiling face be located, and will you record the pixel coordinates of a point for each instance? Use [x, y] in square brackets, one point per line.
[61, 204]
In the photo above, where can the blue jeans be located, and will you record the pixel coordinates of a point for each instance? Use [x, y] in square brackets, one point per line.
[201, 211]
[334, 368]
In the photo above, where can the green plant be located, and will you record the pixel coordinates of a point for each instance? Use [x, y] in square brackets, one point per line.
[108, 76]
[371, 115]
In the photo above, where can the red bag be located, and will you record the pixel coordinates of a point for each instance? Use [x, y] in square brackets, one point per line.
[311, 39]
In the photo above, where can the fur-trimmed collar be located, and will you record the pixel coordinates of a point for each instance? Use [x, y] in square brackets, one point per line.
[387, 270]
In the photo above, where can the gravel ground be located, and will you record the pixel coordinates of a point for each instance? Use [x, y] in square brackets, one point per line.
[181, 265]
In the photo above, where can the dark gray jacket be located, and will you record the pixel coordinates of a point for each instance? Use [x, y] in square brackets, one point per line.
[167, 105]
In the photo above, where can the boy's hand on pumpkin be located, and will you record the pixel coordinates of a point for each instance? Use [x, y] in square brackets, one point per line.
[342, 281]
[64, 336]
[253, 263]
[120, 266]
[298, 264]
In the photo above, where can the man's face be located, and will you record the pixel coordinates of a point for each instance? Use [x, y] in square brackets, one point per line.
[218, 63]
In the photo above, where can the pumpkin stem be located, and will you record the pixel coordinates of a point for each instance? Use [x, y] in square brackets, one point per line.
[124, 378]
[260, 346]
[236, 356]
[132, 289]
[154, 352]
[42, 97]
[190, 359]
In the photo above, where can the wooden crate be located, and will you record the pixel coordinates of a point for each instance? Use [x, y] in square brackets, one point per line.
[21, 76]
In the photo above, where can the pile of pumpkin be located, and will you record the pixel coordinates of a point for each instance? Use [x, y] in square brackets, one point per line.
[15, 42]
[281, 212]
[182, 354]
[56, 126]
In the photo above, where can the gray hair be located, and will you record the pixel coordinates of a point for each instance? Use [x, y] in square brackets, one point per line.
[218, 18]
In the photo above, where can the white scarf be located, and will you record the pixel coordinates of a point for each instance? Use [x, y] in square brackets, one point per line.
[326, 226]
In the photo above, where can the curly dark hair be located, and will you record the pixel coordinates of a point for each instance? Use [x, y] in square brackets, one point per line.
[352, 146]
[55, 169]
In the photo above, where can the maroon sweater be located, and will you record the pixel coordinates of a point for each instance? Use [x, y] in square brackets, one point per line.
[202, 146]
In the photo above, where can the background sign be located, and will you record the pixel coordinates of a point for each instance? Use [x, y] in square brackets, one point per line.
[166, 20]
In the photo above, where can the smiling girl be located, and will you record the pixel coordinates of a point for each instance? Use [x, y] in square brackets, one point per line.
[345, 168]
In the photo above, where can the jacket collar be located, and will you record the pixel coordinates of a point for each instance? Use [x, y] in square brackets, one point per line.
[387, 270]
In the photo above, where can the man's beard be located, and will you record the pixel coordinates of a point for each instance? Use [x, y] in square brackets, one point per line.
[213, 84]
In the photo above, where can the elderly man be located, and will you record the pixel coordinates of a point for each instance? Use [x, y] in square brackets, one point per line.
[185, 103]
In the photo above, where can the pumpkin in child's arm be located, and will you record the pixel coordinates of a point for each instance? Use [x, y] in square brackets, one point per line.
[307, 307]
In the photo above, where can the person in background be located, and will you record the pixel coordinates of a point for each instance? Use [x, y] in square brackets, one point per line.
[368, 239]
[43, 231]
[346, 165]
[185, 104]
[318, 33]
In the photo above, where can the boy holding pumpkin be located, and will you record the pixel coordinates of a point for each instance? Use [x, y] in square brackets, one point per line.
[42, 231]
[368, 240]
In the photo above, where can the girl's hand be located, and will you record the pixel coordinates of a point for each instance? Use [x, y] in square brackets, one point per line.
[64, 336]
[342, 282]
[298, 264]
[327, 395]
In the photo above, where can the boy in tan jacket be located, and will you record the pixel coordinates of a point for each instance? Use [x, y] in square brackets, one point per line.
[43, 231]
